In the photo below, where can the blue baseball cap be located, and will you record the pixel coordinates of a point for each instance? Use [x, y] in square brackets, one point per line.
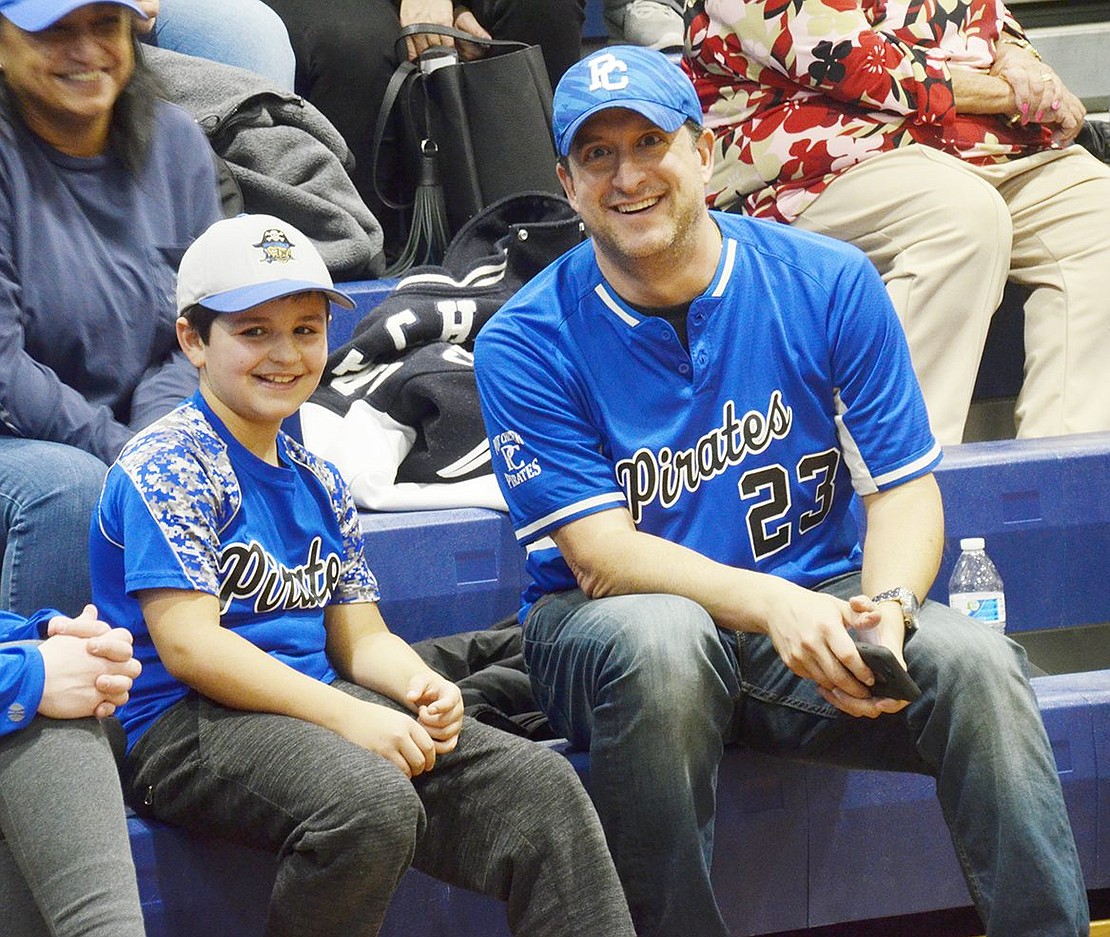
[241, 262]
[634, 77]
[34, 15]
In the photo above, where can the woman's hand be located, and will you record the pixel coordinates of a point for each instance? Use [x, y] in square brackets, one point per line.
[465, 21]
[1039, 94]
[442, 13]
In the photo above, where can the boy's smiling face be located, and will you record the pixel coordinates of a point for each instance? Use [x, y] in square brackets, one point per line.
[258, 366]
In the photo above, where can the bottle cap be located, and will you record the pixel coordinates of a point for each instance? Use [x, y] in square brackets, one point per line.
[972, 543]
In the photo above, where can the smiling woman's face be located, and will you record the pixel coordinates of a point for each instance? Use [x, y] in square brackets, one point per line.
[67, 78]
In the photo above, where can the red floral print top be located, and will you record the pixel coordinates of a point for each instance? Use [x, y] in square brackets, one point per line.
[796, 91]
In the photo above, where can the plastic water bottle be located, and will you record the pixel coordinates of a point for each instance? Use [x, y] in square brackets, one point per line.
[976, 588]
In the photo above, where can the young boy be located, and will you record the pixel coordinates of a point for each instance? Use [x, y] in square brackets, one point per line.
[275, 707]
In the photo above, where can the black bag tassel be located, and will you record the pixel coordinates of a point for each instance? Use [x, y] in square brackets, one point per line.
[428, 233]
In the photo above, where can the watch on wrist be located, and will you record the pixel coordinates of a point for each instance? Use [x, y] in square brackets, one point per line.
[906, 599]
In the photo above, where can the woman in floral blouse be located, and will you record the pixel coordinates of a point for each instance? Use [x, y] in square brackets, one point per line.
[930, 134]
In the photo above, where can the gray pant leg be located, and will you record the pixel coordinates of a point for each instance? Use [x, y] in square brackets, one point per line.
[508, 817]
[342, 820]
[503, 817]
[62, 815]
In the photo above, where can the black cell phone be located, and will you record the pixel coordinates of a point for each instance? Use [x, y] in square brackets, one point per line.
[891, 679]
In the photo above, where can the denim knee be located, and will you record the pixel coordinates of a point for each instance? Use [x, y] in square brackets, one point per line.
[33, 472]
[47, 494]
[957, 656]
[646, 660]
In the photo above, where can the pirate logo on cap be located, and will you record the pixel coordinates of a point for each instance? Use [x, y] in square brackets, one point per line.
[276, 247]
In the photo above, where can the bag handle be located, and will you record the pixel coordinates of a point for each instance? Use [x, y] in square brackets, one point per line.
[389, 99]
[416, 29]
[402, 73]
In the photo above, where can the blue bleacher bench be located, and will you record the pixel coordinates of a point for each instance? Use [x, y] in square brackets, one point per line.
[1043, 510]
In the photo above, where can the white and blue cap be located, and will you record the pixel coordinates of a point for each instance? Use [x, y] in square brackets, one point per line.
[634, 77]
[244, 261]
[32, 16]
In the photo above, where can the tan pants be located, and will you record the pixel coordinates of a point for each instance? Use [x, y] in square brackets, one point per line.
[946, 235]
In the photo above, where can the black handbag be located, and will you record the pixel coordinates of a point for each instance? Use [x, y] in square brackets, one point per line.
[472, 133]
[1094, 137]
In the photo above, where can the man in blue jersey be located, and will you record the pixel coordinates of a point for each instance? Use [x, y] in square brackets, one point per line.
[275, 706]
[683, 411]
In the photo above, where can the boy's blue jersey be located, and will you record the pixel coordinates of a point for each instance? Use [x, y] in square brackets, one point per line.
[186, 506]
[797, 391]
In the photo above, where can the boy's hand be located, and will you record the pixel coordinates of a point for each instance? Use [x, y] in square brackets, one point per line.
[439, 709]
[394, 735]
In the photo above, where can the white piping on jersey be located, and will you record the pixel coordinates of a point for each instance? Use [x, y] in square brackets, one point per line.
[726, 272]
[718, 290]
[613, 497]
[614, 306]
[862, 481]
[909, 469]
[544, 543]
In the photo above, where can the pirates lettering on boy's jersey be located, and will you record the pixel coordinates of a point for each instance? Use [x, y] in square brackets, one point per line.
[246, 570]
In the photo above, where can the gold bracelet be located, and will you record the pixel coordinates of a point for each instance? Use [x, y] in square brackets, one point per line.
[1022, 44]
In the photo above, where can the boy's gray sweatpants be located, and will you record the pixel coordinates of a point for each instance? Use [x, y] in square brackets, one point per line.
[499, 815]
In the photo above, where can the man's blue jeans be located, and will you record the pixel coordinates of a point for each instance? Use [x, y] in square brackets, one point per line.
[47, 494]
[243, 33]
[653, 690]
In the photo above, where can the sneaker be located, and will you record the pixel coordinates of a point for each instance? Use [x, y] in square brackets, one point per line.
[649, 23]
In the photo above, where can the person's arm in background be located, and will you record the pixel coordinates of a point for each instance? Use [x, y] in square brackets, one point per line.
[849, 61]
[84, 668]
[884, 70]
[167, 382]
[34, 402]
[161, 389]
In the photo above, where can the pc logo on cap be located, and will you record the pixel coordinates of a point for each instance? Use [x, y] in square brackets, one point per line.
[633, 77]
[248, 260]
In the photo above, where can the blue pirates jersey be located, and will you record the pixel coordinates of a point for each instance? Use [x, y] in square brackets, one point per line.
[186, 506]
[796, 392]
